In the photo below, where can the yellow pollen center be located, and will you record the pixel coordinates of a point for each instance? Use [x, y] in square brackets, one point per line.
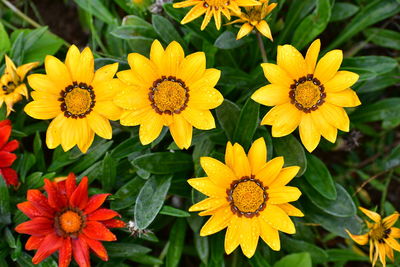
[169, 96]
[78, 101]
[248, 196]
[70, 222]
[307, 94]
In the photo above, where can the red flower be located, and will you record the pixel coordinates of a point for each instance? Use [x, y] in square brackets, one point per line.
[67, 221]
[6, 157]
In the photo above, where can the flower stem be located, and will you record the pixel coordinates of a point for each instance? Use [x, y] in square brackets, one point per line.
[21, 14]
[262, 48]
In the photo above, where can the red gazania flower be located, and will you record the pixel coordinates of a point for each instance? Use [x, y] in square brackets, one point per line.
[6, 157]
[67, 221]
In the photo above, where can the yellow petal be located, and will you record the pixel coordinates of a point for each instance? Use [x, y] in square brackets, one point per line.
[150, 127]
[207, 187]
[328, 65]
[11, 69]
[100, 125]
[250, 230]
[241, 165]
[292, 61]
[53, 133]
[312, 56]
[229, 160]
[257, 155]
[336, 116]
[108, 110]
[209, 79]
[291, 210]
[42, 109]
[395, 232]
[200, 119]
[287, 122]
[143, 68]
[277, 112]
[284, 194]
[278, 219]
[217, 18]
[382, 253]
[192, 68]
[217, 222]
[42, 83]
[270, 235]
[359, 239]
[390, 220]
[181, 132]
[128, 77]
[186, 3]
[232, 235]
[133, 118]
[105, 73]
[389, 252]
[342, 80]
[326, 129]
[345, 98]
[219, 173]
[309, 133]
[107, 90]
[205, 98]
[276, 74]
[371, 214]
[24, 69]
[247, 3]
[72, 61]
[57, 72]
[132, 98]
[271, 95]
[173, 57]
[244, 30]
[194, 13]
[264, 29]
[284, 176]
[85, 71]
[85, 135]
[208, 203]
[270, 171]
[157, 55]
[68, 134]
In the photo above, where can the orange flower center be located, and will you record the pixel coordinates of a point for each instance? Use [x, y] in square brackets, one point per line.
[378, 232]
[77, 101]
[307, 93]
[169, 95]
[70, 222]
[247, 196]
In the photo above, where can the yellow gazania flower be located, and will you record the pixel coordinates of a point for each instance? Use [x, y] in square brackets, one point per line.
[247, 195]
[212, 8]
[79, 100]
[307, 94]
[12, 87]
[171, 90]
[254, 17]
[381, 236]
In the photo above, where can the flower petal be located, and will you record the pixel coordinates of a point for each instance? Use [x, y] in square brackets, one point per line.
[292, 61]
[336, 116]
[38, 226]
[217, 222]
[341, 81]
[232, 235]
[10, 176]
[97, 248]
[208, 203]
[359, 239]
[207, 187]
[150, 127]
[42, 109]
[241, 165]
[173, 57]
[312, 56]
[309, 134]
[209, 79]
[270, 235]
[105, 73]
[194, 13]
[325, 128]
[98, 231]
[200, 119]
[345, 98]
[40, 202]
[102, 215]
[80, 250]
[217, 172]
[79, 197]
[65, 253]
[257, 155]
[192, 68]
[371, 214]
[284, 177]
[72, 61]
[287, 122]
[284, 194]
[250, 230]
[270, 171]
[108, 110]
[392, 243]
[34, 242]
[57, 72]
[113, 223]
[328, 65]
[275, 74]
[100, 125]
[7, 159]
[278, 219]
[51, 243]
[244, 30]
[42, 83]
[271, 95]
[390, 220]
[264, 29]
[205, 98]
[95, 202]
[181, 132]
[291, 210]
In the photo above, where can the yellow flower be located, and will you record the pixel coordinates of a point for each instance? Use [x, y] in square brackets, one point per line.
[171, 90]
[381, 236]
[79, 100]
[307, 94]
[213, 8]
[247, 195]
[12, 87]
[254, 17]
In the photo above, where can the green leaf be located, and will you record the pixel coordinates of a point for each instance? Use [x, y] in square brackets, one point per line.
[9, 238]
[97, 8]
[17, 49]
[227, 40]
[312, 25]
[5, 43]
[131, 32]
[109, 172]
[4, 203]
[47, 44]
[317, 254]
[379, 83]
[123, 250]
[292, 152]
[176, 243]
[61, 158]
[38, 151]
[319, 177]
[166, 30]
[258, 260]
[146, 259]
[247, 123]
[382, 110]
[124, 149]
[150, 200]
[344, 255]
[202, 247]
[171, 211]
[383, 37]
[127, 194]
[93, 154]
[226, 114]
[393, 160]
[297, 259]
[25, 163]
[342, 11]
[164, 162]
[377, 64]
[374, 12]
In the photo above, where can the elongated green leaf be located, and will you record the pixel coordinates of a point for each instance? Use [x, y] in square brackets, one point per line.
[123, 250]
[227, 40]
[312, 25]
[93, 154]
[297, 259]
[377, 64]
[393, 159]
[292, 152]
[5, 43]
[164, 162]
[319, 177]
[4, 203]
[343, 10]
[343, 255]
[166, 30]
[176, 243]
[109, 172]
[97, 8]
[130, 146]
[171, 211]
[374, 12]
[383, 37]
[25, 163]
[150, 200]
[134, 33]
[258, 260]
[247, 123]
[226, 114]
[38, 151]
[317, 254]
[202, 247]
[379, 83]
[382, 110]
[127, 194]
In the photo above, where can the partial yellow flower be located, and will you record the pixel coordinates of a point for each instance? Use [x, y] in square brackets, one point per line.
[78, 99]
[254, 17]
[307, 94]
[381, 236]
[12, 86]
[249, 196]
[213, 8]
[171, 90]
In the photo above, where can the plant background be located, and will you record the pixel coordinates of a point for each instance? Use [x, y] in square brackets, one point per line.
[149, 182]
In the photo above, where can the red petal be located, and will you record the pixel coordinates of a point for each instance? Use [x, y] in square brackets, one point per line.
[113, 223]
[5, 132]
[98, 231]
[40, 202]
[38, 226]
[10, 176]
[55, 198]
[102, 215]
[70, 184]
[31, 211]
[50, 244]
[80, 251]
[79, 197]
[65, 253]
[34, 242]
[97, 247]
[4, 123]
[11, 146]
[6, 159]
[95, 202]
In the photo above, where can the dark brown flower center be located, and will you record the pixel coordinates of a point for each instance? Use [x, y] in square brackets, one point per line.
[9, 88]
[77, 100]
[247, 196]
[379, 232]
[307, 93]
[70, 222]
